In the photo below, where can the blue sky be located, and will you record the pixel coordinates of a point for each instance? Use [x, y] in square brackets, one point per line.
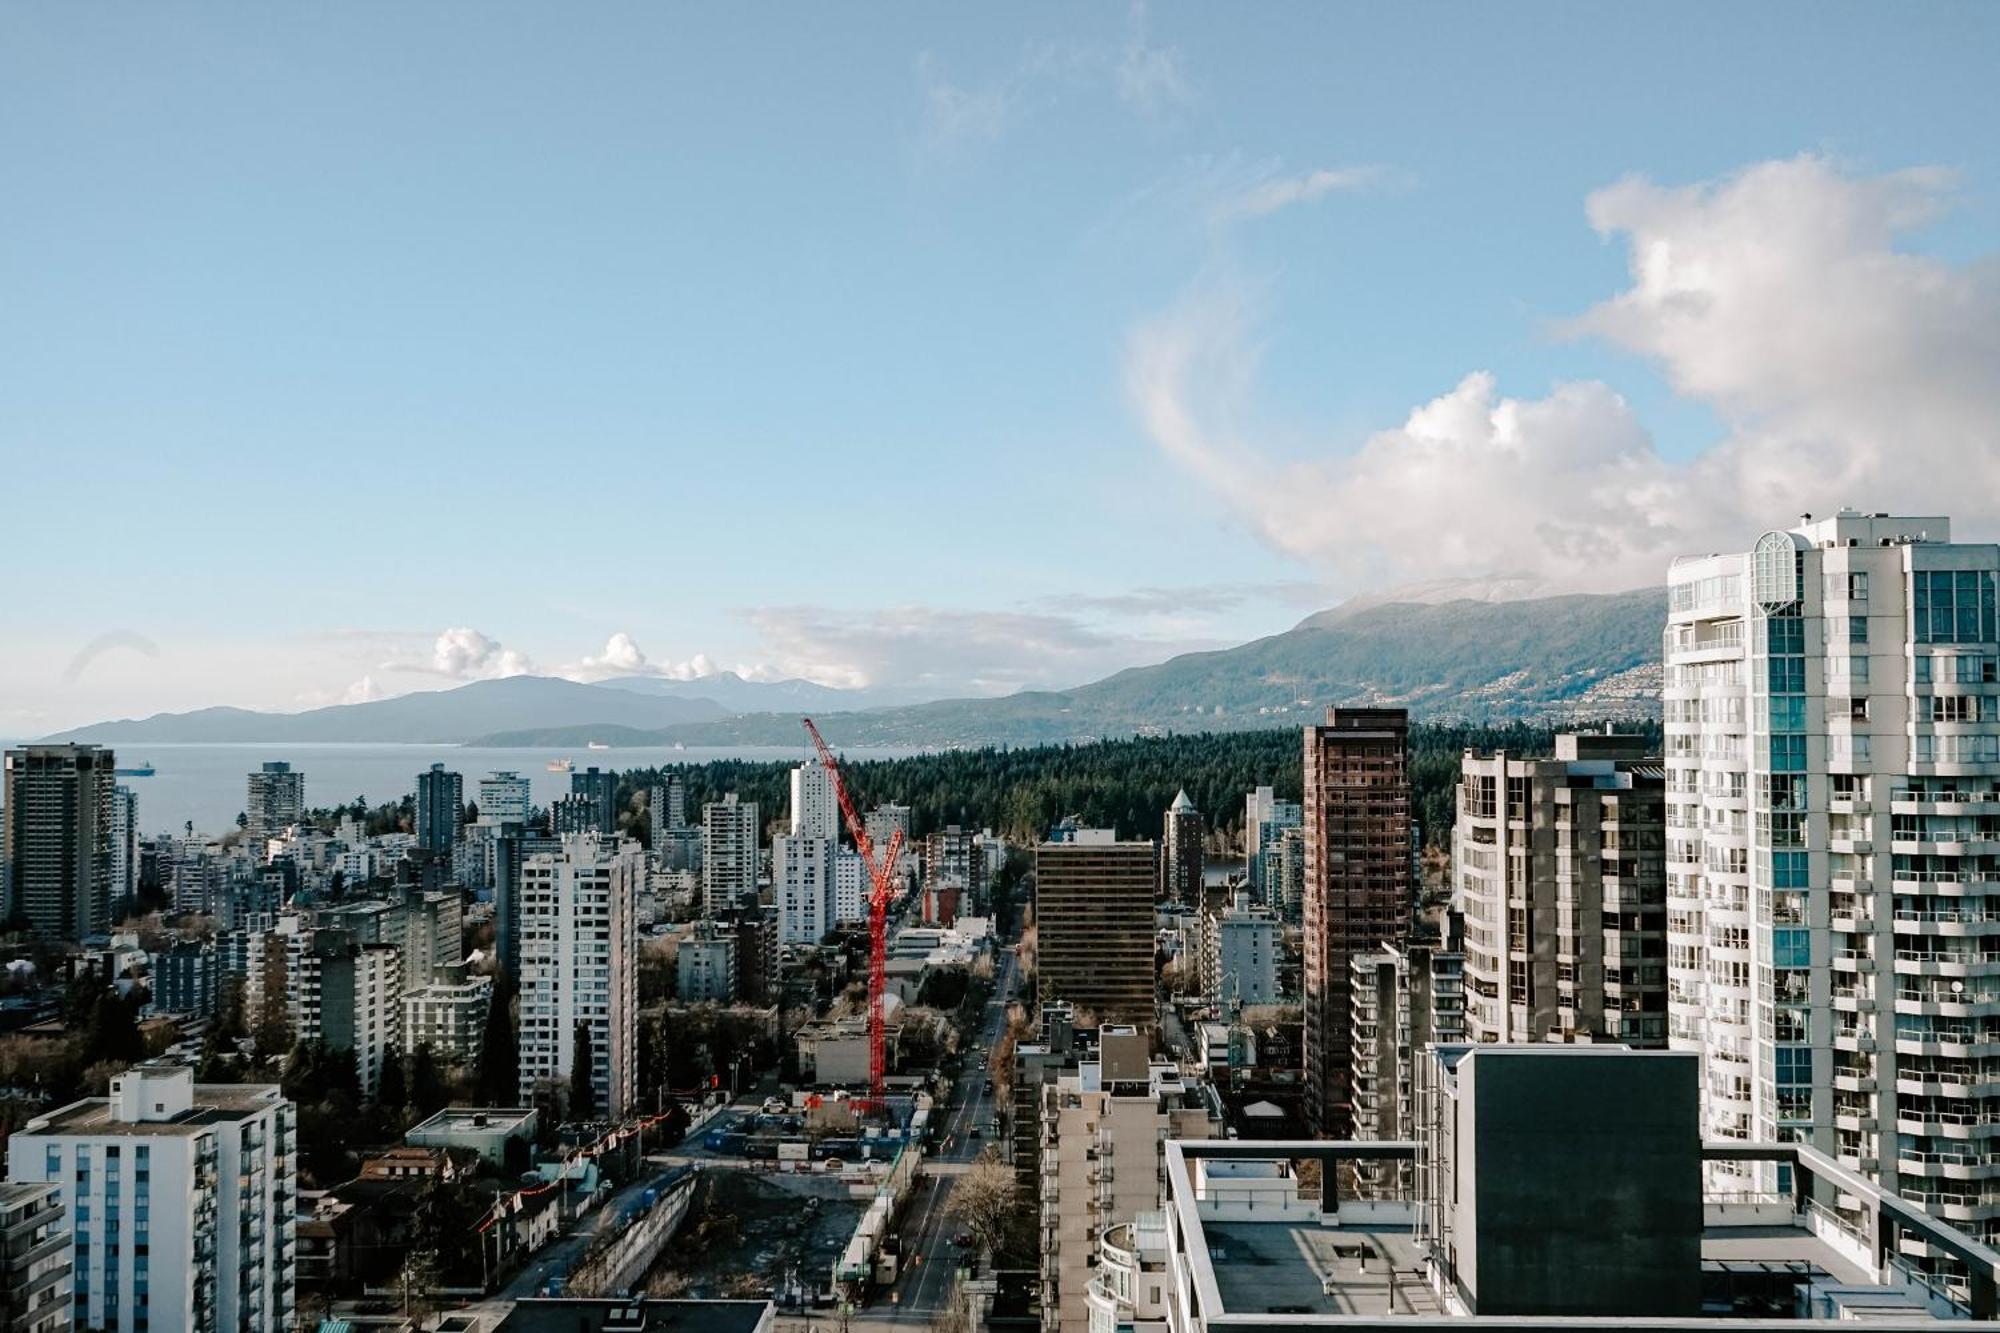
[850, 341]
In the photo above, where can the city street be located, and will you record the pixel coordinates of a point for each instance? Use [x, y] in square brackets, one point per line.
[930, 1259]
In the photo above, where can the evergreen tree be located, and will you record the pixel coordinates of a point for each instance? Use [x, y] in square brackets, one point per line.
[427, 1088]
[499, 1059]
[582, 1093]
[394, 1091]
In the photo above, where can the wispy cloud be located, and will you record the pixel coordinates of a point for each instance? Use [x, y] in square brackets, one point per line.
[1846, 368]
[1148, 77]
[1276, 192]
[957, 112]
[1199, 599]
[947, 650]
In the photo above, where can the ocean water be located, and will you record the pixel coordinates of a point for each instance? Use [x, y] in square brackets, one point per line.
[204, 784]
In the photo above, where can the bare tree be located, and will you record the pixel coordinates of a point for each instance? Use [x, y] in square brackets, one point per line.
[983, 1199]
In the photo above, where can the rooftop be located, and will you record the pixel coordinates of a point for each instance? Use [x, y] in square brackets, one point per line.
[557, 1315]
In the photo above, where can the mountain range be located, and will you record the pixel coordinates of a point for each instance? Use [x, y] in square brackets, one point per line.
[1581, 655]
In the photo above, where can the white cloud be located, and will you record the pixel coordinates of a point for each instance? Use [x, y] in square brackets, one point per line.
[947, 651]
[462, 653]
[1848, 370]
[622, 656]
[1845, 369]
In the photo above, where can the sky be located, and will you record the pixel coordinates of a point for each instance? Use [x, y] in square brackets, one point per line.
[350, 350]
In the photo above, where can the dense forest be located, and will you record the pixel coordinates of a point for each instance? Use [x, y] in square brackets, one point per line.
[1126, 784]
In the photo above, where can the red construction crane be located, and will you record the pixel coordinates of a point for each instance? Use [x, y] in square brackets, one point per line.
[881, 879]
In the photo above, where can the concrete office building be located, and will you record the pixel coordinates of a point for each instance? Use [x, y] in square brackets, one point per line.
[1094, 917]
[579, 966]
[815, 809]
[1101, 1130]
[1560, 868]
[1833, 806]
[1181, 858]
[1265, 819]
[600, 788]
[35, 1264]
[56, 856]
[274, 800]
[504, 798]
[440, 810]
[851, 887]
[1358, 890]
[1241, 946]
[180, 1198]
[730, 836]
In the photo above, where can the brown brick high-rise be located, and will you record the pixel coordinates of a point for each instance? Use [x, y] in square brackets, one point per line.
[1358, 892]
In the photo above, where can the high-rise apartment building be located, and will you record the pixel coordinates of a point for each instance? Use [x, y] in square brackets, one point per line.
[1241, 946]
[34, 1259]
[1560, 866]
[1833, 806]
[815, 807]
[1402, 998]
[440, 809]
[666, 812]
[579, 967]
[57, 850]
[1265, 819]
[803, 887]
[1181, 861]
[730, 832]
[187, 979]
[512, 847]
[274, 800]
[349, 995]
[124, 844]
[882, 824]
[600, 788]
[1101, 1130]
[504, 798]
[448, 1014]
[1358, 889]
[578, 812]
[705, 967]
[180, 1198]
[1094, 920]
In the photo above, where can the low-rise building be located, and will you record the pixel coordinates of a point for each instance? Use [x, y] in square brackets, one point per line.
[486, 1130]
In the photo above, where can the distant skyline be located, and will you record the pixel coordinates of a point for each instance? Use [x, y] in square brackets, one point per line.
[366, 349]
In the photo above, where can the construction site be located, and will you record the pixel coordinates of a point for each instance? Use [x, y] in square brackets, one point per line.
[758, 1233]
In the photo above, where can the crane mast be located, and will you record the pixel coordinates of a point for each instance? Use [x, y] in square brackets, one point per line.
[881, 885]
